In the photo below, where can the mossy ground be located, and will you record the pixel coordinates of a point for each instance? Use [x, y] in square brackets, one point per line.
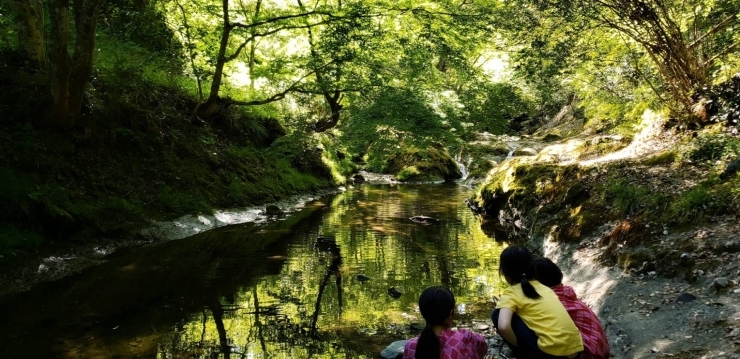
[636, 200]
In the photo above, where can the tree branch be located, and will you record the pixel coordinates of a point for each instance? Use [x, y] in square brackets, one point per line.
[280, 18]
[727, 21]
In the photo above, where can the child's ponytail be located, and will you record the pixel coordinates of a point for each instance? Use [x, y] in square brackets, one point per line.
[436, 305]
[528, 289]
[517, 263]
[428, 345]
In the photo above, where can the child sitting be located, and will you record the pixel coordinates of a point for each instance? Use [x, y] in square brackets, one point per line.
[529, 315]
[437, 306]
[595, 344]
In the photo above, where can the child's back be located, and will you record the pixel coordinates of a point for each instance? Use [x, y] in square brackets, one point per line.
[595, 344]
[594, 339]
[546, 316]
[529, 316]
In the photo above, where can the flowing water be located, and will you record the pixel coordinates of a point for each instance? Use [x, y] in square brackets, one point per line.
[286, 289]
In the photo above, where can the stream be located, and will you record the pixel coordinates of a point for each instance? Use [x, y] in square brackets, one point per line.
[314, 284]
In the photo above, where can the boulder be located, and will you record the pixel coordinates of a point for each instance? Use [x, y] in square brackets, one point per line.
[358, 178]
[731, 246]
[424, 219]
[720, 283]
[394, 351]
[395, 293]
[731, 169]
[685, 298]
[273, 210]
[576, 195]
[525, 151]
[551, 138]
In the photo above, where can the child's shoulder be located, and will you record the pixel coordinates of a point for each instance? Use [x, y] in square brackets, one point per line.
[466, 334]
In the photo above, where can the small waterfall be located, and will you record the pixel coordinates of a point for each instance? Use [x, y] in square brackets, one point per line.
[462, 167]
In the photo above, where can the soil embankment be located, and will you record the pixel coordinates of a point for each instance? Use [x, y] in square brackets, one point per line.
[647, 236]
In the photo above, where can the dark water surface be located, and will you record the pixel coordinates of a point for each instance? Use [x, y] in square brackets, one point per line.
[288, 289]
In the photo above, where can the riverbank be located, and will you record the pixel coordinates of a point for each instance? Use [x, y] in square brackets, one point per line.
[88, 191]
[646, 235]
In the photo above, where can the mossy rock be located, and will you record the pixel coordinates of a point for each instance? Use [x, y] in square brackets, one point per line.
[662, 158]
[480, 167]
[431, 163]
[576, 195]
[550, 137]
[636, 258]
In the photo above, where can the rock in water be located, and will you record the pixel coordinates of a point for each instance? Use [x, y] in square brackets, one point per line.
[362, 278]
[358, 179]
[273, 210]
[424, 219]
[395, 293]
[394, 351]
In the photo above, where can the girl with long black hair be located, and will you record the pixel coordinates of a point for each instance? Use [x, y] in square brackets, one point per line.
[529, 315]
[437, 340]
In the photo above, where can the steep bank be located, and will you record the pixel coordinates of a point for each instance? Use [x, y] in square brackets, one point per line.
[633, 232]
[138, 157]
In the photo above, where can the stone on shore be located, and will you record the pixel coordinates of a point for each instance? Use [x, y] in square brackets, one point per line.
[394, 351]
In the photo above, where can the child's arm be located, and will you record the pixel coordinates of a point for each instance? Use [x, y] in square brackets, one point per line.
[504, 325]
[480, 344]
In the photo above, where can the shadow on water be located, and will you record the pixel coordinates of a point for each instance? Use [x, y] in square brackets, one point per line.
[287, 289]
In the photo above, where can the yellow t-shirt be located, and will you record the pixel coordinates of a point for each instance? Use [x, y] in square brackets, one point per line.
[556, 333]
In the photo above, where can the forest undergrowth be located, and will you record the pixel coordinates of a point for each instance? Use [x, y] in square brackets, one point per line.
[139, 155]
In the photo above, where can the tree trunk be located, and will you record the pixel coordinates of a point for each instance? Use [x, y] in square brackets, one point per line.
[69, 75]
[59, 64]
[86, 20]
[334, 102]
[29, 18]
[253, 46]
[209, 108]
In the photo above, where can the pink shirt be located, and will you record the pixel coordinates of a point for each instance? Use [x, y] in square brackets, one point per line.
[456, 344]
[595, 344]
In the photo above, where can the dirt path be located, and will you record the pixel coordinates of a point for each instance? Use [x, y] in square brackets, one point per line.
[642, 313]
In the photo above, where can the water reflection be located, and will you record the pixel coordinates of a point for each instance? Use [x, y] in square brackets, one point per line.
[324, 311]
[288, 290]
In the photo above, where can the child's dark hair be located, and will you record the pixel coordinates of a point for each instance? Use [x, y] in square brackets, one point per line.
[518, 264]
[435, 305]
[548, 272]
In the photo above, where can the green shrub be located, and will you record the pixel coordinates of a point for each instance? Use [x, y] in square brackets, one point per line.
[625, 198]
[711, 147]
[15, 238]
[15, 186]
[395, 119]
[498, 105]
[179, 202]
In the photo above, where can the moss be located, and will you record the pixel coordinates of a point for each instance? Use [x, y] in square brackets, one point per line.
[598, 147]
[480, 167]
[12, 237]
[430, 163]
[662, 158]
[635, 258]
[408, 174]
